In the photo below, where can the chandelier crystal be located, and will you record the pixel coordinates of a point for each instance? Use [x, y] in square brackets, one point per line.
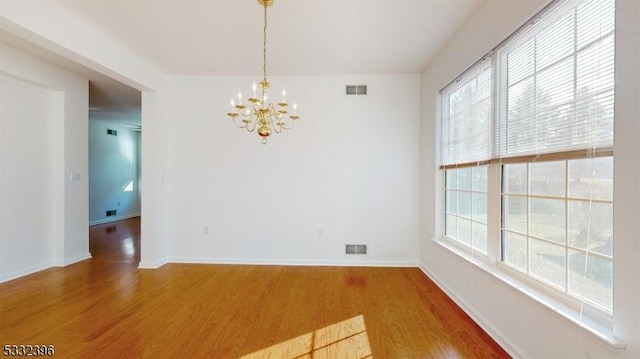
[259, 113]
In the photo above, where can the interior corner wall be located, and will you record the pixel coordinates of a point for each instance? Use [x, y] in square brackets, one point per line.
[113, 172]
[61, 151]
[346, 174]
[522, 326]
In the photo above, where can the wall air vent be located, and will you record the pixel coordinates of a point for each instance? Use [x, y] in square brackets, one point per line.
[356, 249]
[111, 213]
[356, 89]
[112, 132]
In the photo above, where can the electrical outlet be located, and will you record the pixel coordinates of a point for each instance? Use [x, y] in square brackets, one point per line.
[205, 230]
[320, 232]
[75, 177]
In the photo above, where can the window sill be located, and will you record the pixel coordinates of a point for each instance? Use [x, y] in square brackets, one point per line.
[603, 333]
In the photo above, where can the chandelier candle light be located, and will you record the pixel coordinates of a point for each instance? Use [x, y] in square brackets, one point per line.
[259, 113]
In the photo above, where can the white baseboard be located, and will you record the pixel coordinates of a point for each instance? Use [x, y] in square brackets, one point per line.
[40, 267]
[511, 348]
[291, 262]
[151, 265]
[76, 259]
[25, 271]
[114, 219]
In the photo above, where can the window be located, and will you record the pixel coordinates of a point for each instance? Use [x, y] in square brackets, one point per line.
[557, 225]
[467, 124]
[466, 206]
[527, 152]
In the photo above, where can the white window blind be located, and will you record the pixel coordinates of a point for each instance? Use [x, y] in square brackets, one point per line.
[467, 116]
[558, 89]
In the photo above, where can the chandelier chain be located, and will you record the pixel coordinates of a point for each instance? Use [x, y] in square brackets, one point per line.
[264, 47]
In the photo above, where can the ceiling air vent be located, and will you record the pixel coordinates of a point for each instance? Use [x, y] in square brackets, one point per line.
[356, 89]
[355, 249]
[112, 132]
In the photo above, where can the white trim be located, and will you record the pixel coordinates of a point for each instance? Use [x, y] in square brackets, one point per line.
[76, 259]
[26, 271]
[40, 267]
[151, 265]
[604, 335]
[114, 219]
[510, 347]
[292, 262]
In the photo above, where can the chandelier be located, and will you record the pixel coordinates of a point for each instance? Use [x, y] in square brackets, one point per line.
[259, 113]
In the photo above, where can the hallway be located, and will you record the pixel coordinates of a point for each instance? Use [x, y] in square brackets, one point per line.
[116, 241]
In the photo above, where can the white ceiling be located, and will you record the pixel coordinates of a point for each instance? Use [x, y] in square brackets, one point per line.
[306, 37]
[224, 37]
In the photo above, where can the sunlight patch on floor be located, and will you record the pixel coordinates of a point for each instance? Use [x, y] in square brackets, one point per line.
[347, 339]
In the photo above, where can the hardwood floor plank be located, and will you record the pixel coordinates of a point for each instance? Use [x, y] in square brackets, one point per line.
[106, 307]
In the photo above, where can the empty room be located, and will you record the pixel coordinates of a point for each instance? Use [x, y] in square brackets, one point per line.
[320, 179]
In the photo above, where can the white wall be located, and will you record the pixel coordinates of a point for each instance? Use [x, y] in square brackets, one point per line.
[113, 165]
[57, 150]
[348, 173]
[521, 325]
[26, 166]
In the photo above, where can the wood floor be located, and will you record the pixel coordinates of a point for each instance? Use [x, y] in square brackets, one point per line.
[106, 308]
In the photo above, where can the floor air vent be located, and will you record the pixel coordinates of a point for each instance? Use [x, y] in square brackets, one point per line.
[355, 249]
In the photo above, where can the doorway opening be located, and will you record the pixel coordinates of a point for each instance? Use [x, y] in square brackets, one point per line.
[115, 128]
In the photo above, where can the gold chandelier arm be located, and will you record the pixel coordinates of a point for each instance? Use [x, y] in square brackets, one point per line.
[250, 121]
[274, 119]
[276, 126]
[284, 124]
[242, 123]
[293, 124]
[251, 128]
[246, 122]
